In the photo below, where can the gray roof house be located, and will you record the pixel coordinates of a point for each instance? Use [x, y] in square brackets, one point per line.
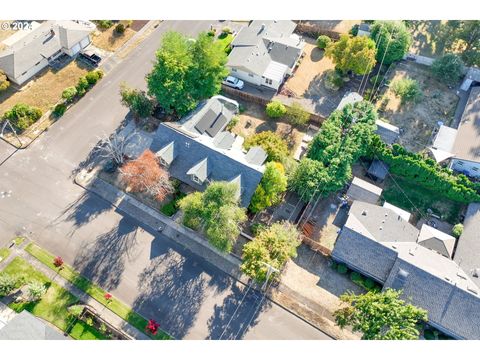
[362, 190]
[388, 133]
[25, 55]
[377, 242]
[197, 150]
[265, 52]
[26, 326]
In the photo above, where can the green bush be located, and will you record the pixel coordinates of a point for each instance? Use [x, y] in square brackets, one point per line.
[69, 93]
[257, 228]
[323, 41]
[457, 230]
[376, 80]
[232, 123]
[297, 115]
[22, 116]
[357, 278]
[4, 83]
[369, 284]
[448, 68]
[7, 284]
[36, 290]
[93, 76]
[104, 24]
[169, 209]
[59, 109]
[275, 109]
[407, 89]
[333, 80]
[211, 33]
[342, 269]
[226, 30]
[275, 146]
[82, 86]
[120, 29]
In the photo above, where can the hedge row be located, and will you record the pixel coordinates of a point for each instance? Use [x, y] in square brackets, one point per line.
[362, 281]
[425, 172]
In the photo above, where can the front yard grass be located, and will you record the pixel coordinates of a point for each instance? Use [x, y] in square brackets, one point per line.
[4, 253]
[81, 282]
[416, 199]
[225, 39]
[45, 90]
[53, 306]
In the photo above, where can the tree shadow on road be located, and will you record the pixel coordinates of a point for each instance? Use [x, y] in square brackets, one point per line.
[172, 290]
[103, 261]
[237, 314]
[81, 211]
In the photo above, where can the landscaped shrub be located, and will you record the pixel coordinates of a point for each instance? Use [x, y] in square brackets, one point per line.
[342, 269]
[232, 123]
[323, 41]
[36, 290]
[457, 230]
[448, 68]
[104, 24]
[4, 83]
[120, 29]
[82, 86]
[333, 80]
[356, 278]
[275, 146]
[59, 109]
[69, 93]
[297, 115]
[275, 109]
[7, 284]
[169, 208]
[226, 30]
[368, 284]
[407, 89]
[22, 116]
[93, 76]
[137, 100]
[211, 33]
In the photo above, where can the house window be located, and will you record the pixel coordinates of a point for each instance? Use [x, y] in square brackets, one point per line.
[251, 75]
[268, 81]
[163, 162]
[197, 180]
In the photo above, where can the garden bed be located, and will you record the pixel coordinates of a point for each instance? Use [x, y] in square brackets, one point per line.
[81, 282]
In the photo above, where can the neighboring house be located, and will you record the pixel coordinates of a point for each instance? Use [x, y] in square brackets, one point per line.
[361, 190]
[379, 243]
[461, 146]
[265, 52]
[198, 150]
[26, 326]
[24, 56]
[467, 253]
[363, 30]
[351, 98]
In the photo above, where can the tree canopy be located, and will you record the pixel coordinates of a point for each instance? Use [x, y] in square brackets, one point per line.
[448, 68]
[272, 186]
[216, 212]
[274, 246]
[393, 40]
[186, 71]
[462, 36]
[274, 145]
[356, 54]
[380, 316]
[138, 101]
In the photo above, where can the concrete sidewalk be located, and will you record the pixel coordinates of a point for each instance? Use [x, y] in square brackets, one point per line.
[283, 295]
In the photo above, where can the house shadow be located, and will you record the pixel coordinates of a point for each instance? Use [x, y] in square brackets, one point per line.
[237, 314]
[103, 260]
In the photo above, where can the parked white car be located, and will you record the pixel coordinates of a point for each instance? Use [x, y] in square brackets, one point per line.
[233, 82]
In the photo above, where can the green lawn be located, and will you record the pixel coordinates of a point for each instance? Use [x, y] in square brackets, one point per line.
[225, 39]
[81, 282]
[53, 307]
[417, 200]
[4, 253]
[19, 240]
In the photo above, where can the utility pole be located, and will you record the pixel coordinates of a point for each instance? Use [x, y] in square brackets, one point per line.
[270, 271]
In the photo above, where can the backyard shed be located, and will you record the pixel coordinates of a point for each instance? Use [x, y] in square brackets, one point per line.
[364, 191]
[378, 170]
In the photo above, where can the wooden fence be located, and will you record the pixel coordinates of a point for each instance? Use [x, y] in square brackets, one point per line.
[314, 31]
[315, 246]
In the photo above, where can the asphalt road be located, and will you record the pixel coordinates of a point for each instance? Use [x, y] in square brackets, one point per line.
[189, 297]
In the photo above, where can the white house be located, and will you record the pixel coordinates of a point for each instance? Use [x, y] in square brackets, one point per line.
[27, 53]
[265, 52]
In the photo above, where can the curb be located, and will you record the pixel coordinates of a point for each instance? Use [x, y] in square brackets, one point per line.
[173, 231]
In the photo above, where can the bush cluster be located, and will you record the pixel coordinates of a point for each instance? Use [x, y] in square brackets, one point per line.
[21, 116]
[362, 281]
[407, 89]
[323, 41]
[275, 109]
[4, 83]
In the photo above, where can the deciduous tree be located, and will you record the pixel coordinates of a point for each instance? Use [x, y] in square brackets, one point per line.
[138, 101]
[393, 40]
[144, 174]
[380, 316]
[448, 69]
[274, 145]
[272, 186]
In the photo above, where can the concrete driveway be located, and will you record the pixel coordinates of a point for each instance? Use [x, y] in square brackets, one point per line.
[190, 298]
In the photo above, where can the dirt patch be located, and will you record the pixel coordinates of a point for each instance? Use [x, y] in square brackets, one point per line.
[45, 89]
[417, 121]
[312, 64]
[253, 120]
[110, 40]
[339, 26]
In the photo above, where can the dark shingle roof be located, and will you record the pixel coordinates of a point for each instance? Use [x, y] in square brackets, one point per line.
[220, 164]
[378, 169]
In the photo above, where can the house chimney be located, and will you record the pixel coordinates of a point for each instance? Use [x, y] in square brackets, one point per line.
[262, 27]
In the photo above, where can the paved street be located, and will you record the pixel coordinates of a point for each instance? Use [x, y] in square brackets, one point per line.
[190, 298]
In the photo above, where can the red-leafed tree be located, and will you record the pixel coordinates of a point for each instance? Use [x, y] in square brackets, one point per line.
[145, 174]
[152, 327]
[58, 262]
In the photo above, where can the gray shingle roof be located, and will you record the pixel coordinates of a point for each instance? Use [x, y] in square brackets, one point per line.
[26, 326]
[362, 190]
[436, 240]
[387, 132]
[435, 284]
[222, 165]
[467, 253]
[262, 42]
[378, 169]
[41, 43]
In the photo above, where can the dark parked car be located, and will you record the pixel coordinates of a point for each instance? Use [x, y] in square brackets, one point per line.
[90, 58]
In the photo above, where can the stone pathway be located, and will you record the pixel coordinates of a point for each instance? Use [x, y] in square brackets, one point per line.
[100, 309]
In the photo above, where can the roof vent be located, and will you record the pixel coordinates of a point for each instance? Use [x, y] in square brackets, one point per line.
[262, 27]
[462, 276]
[447, 278]
[472, 290]
[476, 272]
[386, 214]
[411, 252]
[364, 212]
[380, 228]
